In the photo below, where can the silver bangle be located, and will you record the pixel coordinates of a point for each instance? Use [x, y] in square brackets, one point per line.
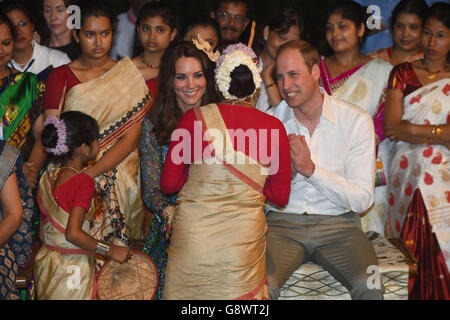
[102, 248]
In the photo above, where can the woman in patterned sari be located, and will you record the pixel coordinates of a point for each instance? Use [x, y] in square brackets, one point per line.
[16, 211]
[115, 94]
[21, 98]
[218, 244]
[407, 23]
[157, 128]
[417, 118]
[352, 76]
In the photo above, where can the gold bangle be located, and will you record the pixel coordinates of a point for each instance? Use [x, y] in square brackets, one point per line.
[270, 85]
[425, 140]
[438, 132]
[433, 131]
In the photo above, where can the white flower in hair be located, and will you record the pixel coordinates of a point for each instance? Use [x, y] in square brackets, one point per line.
[233, 56]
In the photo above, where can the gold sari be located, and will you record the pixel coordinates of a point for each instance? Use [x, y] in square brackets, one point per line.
[218, 244]
[118, 100]
[62, 271]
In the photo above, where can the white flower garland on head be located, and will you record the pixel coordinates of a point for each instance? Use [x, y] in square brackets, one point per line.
[232, 57]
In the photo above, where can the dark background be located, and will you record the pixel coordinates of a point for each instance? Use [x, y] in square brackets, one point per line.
[314, 13]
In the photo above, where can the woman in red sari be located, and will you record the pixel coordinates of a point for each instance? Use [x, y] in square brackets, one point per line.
[417, 118]
[231, 159]
[407, 23]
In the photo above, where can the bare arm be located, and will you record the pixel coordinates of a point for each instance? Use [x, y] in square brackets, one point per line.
[270, 85]
[397, 129]
[117, 153]
[38, 155]
[75, 234]
[12, 209]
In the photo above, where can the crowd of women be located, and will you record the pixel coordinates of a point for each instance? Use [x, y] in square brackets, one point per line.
[85, 141]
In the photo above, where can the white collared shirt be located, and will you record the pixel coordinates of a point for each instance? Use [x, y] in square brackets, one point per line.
[123, 40]
[262, 104]
[41, 58]
[343, 150]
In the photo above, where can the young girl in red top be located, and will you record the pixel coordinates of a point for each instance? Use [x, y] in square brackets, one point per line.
[64, 265]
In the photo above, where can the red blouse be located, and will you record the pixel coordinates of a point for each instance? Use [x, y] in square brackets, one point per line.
[55, 85]
[58, 78]
[404, 78]
[75, 192]
[152, 85]
[277, 186]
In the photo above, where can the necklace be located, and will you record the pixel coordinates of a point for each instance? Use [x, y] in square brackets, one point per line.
[149, 65]
[72, 168]
[432, 74]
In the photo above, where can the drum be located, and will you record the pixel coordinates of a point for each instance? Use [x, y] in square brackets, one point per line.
[136, 279]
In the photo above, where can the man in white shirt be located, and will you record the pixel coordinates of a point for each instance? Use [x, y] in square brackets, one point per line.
[333, 157]
[42, 61]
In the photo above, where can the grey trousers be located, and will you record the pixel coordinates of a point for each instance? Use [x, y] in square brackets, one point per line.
[336, 243]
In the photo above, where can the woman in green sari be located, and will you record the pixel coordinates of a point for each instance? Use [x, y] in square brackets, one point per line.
[21, 97]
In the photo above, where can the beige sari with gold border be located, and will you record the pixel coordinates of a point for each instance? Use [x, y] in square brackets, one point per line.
[118, 100]
[218, 245]
[62, 271]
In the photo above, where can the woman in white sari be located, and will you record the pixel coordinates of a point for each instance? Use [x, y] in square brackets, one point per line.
[352, 76]
[417, 118]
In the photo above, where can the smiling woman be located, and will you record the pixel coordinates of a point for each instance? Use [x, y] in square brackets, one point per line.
[352, 76]
[407, 22]
[186, 80]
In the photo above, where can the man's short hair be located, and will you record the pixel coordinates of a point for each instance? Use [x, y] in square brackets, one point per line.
[248, 4]
[309, 52]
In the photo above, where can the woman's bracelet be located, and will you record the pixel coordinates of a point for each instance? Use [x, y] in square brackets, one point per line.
[102, 248]
[436, 132]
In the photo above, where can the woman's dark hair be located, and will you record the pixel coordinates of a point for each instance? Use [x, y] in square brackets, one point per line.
[353, 11]
[166, 113]
[153, 9]
[417, 7]
[8, 6]
[5, 20]
[241, 84]
[283, 19]
[96, 9]
[440, 11]
[80, 128]
[203, 21]
[280, 21]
